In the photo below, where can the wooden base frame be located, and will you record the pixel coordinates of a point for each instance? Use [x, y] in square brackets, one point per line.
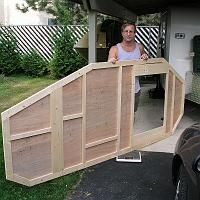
[84, 119]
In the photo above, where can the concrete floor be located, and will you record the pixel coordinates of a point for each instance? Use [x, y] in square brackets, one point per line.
[150, 111]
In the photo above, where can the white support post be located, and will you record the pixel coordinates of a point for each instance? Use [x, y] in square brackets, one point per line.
[92, 37]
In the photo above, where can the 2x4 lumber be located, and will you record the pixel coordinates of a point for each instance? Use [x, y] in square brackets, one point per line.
[84, 118]
[21, 180]
[166, 98]
[132, 109]
[157, 68]
[126, 107]
[56, 106]
[74, 116]
[30, 134]
[172, 106]
[7, 149]
[119, 102]
[148, 137]
[99, 142]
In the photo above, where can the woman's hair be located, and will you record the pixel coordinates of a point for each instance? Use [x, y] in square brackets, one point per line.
[124, 25]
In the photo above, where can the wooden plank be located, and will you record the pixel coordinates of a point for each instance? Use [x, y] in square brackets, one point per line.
[101, 105]
[72, 97]
[84, 118]
[21, 180]
[57, 130]
[30, 133]
[170, 102]
[31, 157]
[149, 137]
[32, 118]
[119, 105]
[177, 100]
[72, 142]
[156, 68]
[98, 142]
[126, 107]
[166, 99]
[7, 149]
[74, 116]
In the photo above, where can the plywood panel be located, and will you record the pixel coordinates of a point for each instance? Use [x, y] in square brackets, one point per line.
[72, 97]
[32, 156]
[101, 104]
[101, 150]
[72, 142]
[177, 100]
[34, 117]
[126, 107]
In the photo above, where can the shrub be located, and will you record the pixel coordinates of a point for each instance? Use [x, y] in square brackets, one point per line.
[9, 55]
[33, 64]
[65, 60]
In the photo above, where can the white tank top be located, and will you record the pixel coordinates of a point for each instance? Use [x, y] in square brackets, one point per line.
[130, 55]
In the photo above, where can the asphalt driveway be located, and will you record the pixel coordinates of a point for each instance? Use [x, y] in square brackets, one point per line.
[111, 180]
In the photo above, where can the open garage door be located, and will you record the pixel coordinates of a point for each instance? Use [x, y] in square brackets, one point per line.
[84, 119]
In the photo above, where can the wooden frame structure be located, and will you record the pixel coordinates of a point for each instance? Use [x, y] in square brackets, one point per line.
[84, 119]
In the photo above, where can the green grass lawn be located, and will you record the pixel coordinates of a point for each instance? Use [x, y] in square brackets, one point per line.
[12, 91]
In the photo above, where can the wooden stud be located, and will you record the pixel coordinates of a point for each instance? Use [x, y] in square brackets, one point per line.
[7, 149]
[74, 116]
[84, 118]
[98, 142]
[30, 134]
[119, 101]
[57, 131]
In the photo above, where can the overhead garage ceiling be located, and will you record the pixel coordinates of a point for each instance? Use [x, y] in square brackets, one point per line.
[140, 7]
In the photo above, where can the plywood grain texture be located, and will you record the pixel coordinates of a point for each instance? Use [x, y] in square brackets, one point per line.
[72, 134]
[83, 119]
[101, 150]
[31, 157]
[101, 104]
[36, 116]
[72, 97]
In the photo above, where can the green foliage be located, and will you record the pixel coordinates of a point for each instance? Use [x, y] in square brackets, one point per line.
[149, 20]
[65, 59]
[33, 64]
[9, 55]
[64, 11]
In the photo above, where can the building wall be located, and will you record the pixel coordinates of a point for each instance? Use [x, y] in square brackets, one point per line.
[1, 11]
[186, 21]
[12, 16]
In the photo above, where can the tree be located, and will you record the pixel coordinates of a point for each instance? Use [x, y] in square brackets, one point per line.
[149, 20]
[64, 11]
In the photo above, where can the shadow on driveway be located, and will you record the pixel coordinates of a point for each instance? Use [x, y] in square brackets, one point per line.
[111, 180]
